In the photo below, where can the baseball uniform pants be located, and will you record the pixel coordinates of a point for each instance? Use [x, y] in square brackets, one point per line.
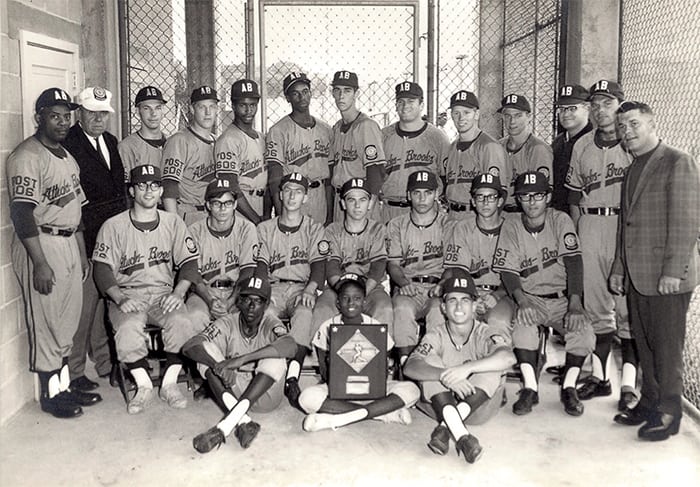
[408, 309]
[282, 305]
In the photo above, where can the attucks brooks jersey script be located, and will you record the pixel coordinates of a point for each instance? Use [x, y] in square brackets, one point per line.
[145, 258]
[356, 251]
[289, 254]
[355, 147]
[537, 257]
[417, 249]
[188, 159]
[240, 154]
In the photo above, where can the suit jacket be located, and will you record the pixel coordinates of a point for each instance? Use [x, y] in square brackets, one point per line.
[104, 186]
[659, 223]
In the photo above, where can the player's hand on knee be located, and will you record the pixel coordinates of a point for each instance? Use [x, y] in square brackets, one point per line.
[43, 278]
[575, 320]
[130, 305]
[527, 315]
[488, 300]
[616, 283]
[463, 389]
[171, 302]
[307, 298]
[435, 291]
[410, 289]
[218, 308]
[226, 369]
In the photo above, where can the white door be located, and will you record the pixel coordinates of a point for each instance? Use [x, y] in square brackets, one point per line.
[45, 62]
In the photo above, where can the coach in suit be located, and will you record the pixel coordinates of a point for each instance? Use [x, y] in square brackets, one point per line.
[102, 179]
[656, 264]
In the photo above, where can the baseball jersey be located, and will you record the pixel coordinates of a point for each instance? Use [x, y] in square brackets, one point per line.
[534, 155]
[137, 151]
[417, 249]
[240, 154]
[299, 149]
[38, 175]
[355, 147]
[407, 152]
[466, 160]
[597, 172]
[483, 342]
[537, 257]
[188, 159]
[225, 334]
[145, 258]
[289, 254]
[471, 248]
[356, 251]
[322, 339]
[223, 257]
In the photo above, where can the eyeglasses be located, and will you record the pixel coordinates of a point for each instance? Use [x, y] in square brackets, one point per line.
[486, 198]
[217, 205]
[568, 109]
[153, 186]
[530, 197]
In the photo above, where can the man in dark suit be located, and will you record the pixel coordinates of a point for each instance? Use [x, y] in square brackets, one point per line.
[102, 179]
[656, 265]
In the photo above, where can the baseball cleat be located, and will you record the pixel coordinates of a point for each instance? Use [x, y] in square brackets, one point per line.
[528, 398]
[245, 433]
[172, 395]
[469, 446]
[292, 392]
[139, 402]
[205, 442]
[60, 407]
[634, 417]
[439, 440]
[399, 416]
[82, 398]
[594, 387]
[628, 400]
[319, 421]
[572, 405]
[83, 384]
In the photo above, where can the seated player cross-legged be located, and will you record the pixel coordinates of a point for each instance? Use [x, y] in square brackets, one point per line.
[243, 357]
[460, 366]
[326, 413]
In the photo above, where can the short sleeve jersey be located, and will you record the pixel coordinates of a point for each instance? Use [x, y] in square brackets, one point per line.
[537, 257]
[534, 155]
[225, 334]
[417, 249]
[466, 160]
[355, 252]
[223, 257]
[355, 147]
[299, 149]
[145, 258]
[407, 152]
[137, 151]
[482, 343]
[240, 154]
[188, 159]
[289, 254]
[51, 183]
[597, 172]
[322, 339]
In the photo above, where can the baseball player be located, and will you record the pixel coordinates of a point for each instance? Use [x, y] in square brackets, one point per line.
[242, 355]
[460, 366]
[540, 263]
[188, 159]
[573, 110]
[301, 143]
[409, 145]
[226, 254]
[326, 413]
[356, 148]
[240, 153]
[145, 146]
[525, 152]
[291, 250]
[470, 247]
[48, 250]
[137, 256]
[598, 166]
[473, 152]
[357, 245]
[415, 243]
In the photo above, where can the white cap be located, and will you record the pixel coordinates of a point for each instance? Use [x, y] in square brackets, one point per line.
[95, 99]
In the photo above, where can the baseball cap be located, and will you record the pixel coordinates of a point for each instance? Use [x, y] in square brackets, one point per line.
[607, 88]
[408, 89]
[354, 183]
[531, 182]
[256, 286]
[464, 98]
[149, 93]
[460, 282]
[295, 177]
[244, 88]
[95, 99]
[345, 78]
[421, 180]
[572, 95]
[518, 102]
[487, 180]
[347, 278]
[294, 77]
[144, 173]
[218, 187]
[203, 93]
[54, 96]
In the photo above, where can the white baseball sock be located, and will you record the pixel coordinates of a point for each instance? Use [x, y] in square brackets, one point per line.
[529, 378]
[234, 416]
[629, 376]
[64, 377]
[230, 402]
[571, 377]
[171, 375]
[141, 377]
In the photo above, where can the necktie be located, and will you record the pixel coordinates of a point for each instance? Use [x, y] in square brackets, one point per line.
[99, 151]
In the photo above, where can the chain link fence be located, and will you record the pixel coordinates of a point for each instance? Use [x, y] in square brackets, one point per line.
[660, 65]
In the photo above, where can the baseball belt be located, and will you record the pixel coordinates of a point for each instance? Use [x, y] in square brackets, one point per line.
[512, 209]
[400, 204]
[314, 184]
[256, 192]
[601, 211]
[487, 287]
[58, 232]
[426, 279]
[458, 207]
[556, 295]
[199, 207]
[292, 281]
[222, 283]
